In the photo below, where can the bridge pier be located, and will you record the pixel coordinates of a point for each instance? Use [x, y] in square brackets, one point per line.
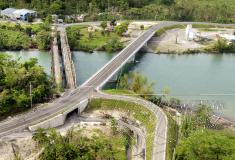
[146, 48]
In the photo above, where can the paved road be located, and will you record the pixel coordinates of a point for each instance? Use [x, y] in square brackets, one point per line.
[83, 92]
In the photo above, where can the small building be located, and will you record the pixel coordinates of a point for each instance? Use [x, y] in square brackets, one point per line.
[80, 18]
[8, 13]
[18, 14]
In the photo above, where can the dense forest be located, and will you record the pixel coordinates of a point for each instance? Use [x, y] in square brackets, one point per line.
[16, 81]
[190, 10]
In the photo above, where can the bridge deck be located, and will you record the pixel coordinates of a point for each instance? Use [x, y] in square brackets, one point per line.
[56, 63]
[67, 60]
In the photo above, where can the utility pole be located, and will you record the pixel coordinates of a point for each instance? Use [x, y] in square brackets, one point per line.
[176, 39]
[30, 92]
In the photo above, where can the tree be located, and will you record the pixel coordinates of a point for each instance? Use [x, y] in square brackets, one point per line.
[114, 125]
[137, 83]
[167, 2]
[113, 44]
[142, 27]
[209, 145]
[43, 40]
[103, 25]
[55, 7]
[73, 146]
[15, 84]
[122, 28]
[28, 31]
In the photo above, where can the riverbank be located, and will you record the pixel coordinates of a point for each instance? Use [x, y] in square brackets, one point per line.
[174, 40]
[81, 39]
[16, 36]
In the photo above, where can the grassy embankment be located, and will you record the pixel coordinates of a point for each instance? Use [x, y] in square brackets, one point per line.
[120, 92]
[79, 39]
[145, 116]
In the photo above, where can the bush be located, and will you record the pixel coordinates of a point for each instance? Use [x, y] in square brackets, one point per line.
[43, 40]
[113, 45]
[13, 40]
[209, 145]
[122, 28]
[15, 84]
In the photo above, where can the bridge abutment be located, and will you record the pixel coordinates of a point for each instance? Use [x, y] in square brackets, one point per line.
[146, 48]
[58, 120]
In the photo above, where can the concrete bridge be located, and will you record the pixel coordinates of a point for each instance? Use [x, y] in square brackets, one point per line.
[62, 63]
[54, 114]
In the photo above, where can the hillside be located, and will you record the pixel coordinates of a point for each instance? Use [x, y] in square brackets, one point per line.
[190, 10]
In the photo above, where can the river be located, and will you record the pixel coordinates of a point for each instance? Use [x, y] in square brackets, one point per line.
[44, 58]
[192, 78]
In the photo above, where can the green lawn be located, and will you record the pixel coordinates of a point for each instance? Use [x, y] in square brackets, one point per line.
[138, 112]
[83, 42]
[120, 92]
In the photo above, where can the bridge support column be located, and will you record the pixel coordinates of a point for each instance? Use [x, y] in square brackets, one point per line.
[146, 48]
[132, 59]
[115, 78]
[82, 106]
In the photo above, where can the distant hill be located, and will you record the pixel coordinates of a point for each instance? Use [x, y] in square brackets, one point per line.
[190, 10]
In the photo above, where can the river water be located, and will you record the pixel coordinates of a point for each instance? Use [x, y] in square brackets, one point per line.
[44, 58]
[198, 78]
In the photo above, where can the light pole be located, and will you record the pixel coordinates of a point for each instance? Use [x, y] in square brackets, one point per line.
[30, 93]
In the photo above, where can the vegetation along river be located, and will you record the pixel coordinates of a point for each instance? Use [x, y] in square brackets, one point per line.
[194, 78]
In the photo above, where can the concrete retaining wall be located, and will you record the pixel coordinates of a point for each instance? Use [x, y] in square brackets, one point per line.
[52, 122]
[60, 118]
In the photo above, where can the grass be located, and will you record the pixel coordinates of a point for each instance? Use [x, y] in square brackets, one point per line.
[117, 142]
[210, 29]
[97, 42]
[138, 112]
[164, 29]
[172, 136]
[120, 92]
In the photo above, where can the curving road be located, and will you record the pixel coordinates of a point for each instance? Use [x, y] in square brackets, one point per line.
[71, 98]
[160, 134]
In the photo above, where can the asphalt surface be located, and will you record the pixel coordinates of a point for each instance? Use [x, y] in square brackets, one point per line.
[85, 91]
